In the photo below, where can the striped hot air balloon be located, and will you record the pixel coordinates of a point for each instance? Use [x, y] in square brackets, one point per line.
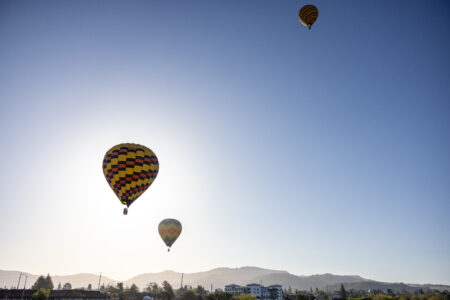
[130, 169]
[169, 230]
[308, 15]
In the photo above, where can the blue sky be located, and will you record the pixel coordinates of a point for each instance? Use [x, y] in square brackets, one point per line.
[311, 151]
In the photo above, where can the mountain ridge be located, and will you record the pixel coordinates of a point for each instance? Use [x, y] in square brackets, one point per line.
[219, 277]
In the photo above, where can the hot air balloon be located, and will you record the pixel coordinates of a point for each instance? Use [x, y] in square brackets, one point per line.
[308, 15]
[130, 169]
[169, 230]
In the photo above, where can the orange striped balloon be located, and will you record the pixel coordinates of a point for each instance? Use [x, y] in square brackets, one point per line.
[308, 15]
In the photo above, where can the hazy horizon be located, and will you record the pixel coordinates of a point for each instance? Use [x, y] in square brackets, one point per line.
[109, 280]
[313, 151]
[177, 271]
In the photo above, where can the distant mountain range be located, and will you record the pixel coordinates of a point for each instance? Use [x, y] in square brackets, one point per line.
[220, 277]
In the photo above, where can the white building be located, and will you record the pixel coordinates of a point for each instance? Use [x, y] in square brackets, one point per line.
[273, 292]
[235, 289]
[255, 290]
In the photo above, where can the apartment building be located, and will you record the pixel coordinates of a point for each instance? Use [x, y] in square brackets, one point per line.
[272, 292]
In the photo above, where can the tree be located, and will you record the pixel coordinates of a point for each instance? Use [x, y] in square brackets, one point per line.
[134, 289]
[301, 297]
[343, 292]
[153, 289]
[111, 290]
[43, 282]
[49, 281]
[200, 290]
[382, 297]
[167, 292]
[41, 294]
[189, 295]
[244, 297]
[219, 296]
[89, 287]
[320, 292]
[67, 286]
[180, 292]
[59, 286]
[120, 286]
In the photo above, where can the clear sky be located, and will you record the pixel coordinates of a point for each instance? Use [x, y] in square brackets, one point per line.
[311, 151]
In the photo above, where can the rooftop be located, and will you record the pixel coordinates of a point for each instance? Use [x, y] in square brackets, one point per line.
[53, 294]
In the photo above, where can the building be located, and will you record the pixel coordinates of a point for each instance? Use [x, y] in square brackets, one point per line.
[272, 292]
[275, 291]
[54, 295]
[235, 289]
[255, 290]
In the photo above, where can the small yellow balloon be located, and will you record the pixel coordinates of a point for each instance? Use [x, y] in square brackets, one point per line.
[169, 230]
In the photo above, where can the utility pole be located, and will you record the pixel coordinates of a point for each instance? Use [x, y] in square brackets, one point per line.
[181, 280]
[25, 285]
[20, 275]
[98, 288]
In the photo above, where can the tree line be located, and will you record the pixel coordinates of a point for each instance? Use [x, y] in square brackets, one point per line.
[47, 283]
[44, 284]
[352, 294]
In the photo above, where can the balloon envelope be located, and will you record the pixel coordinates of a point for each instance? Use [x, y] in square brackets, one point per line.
[130, 169]
[308, 15]
[169, 230]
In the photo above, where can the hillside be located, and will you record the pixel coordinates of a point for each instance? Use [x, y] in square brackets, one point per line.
[9, 279]
[219, 277]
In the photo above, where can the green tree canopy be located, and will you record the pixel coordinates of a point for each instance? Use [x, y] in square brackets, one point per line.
[189, 295]
[41, 294]
[301, 297]
[49, 281]
[167, 292]
[134, 289]
[120, 286]
[244, 297]
[200, 290]
[219, 296]
[153, 289]
[43, 282]
[343, 293]
[67, 286]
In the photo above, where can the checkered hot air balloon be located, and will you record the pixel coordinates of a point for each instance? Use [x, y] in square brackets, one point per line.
[130, 169]
[308, 15]
[169, 230]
